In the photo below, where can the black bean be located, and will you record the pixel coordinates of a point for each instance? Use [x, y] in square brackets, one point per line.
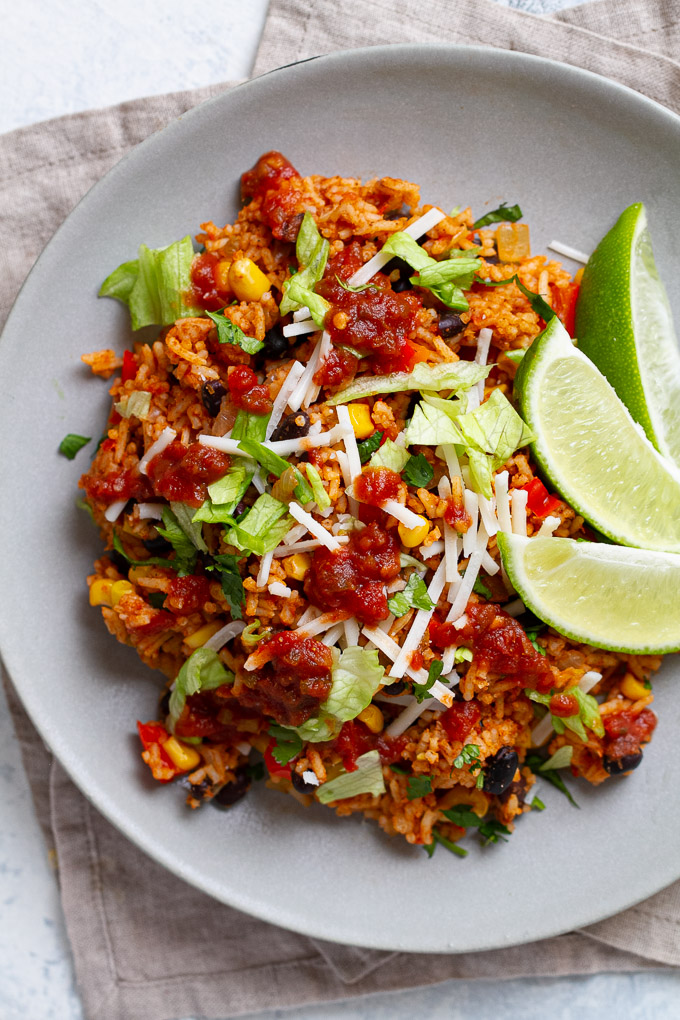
[518, 788]
[164, 704]
[615, 766]
[402, 284]
[211, 395]
[275, 343]
[398, 687]
[293, 426]
[397, 263]
[157, 544]
[199, 791]
[499, 771]
[301, 785]
[450, 324]
[491, 260]
[396, 214]
[233, 792]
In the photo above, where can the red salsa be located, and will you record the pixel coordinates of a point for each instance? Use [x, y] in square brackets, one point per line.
[456, 516]
[625, 732]
[458, 720]
[204, 287]
[247, 393]
[376, 485]
[354, 739]
[187, 594]
[354, 577]
[183, 473]
[125, 484]
[563, 705]
[276, 181]
[295, 677]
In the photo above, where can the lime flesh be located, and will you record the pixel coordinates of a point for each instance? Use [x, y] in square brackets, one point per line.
[625, 326]
[622, 599]
[591, 449]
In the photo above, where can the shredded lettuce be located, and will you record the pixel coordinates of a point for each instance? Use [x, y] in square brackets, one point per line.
[318, 729]
[446, 279]
[367, 778]
[430, 426]
[311, 250]
[462, 655]
[276, 465]
[136, 405]
[226, 494]
[202, 671]
[261, 529]
[155, 285]
[321, 497]
[588, 713]
[454, 375]
[391, 456]
[185, 518]
[229, 333]
[250, 426]
[559, 760]
[357, 674]
[491, 433]
[226, 564]
[413, 596]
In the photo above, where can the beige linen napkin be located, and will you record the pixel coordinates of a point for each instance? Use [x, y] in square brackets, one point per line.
[133, 962]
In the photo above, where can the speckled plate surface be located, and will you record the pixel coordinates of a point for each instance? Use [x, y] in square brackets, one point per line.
[471, 126]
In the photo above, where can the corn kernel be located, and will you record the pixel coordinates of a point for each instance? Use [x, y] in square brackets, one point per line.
[362, 423]
[633, 688]
[411, 537]
[297, 566]
[183, 757]
[200, 636]
[100, 592]
[247, 280]
[221, 274]
[118, 589]
[372, 717]
[512, 242]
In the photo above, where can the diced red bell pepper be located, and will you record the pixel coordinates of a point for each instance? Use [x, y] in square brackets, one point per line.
[564, 299]
[276, 771]
[153, 733]
[540, 502]
[129, 366]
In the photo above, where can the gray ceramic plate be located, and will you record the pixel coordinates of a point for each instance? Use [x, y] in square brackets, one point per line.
[471, 126]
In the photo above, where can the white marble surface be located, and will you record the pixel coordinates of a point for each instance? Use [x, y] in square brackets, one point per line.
[57, 58]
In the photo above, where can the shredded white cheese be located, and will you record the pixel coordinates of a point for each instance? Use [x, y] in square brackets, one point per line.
[451, 553]
[351, 632]
[419, 227]
[150, 511]
[310, 613]
[333, 635]
[464, 589]
[489, 564]
[472, 508]
[428, 551]
[401, 513]
[306, 546]
[451, 458]
[229, 631]
[548, 528]
[280, 589]
[113, 512]
[481, 358]
[165, 438]
[503, 502]
[514, 608]
[324, 348]
[353, 460]
[295, 533]
[519, 511]
[310, 778]
[487, 511]
[296, 397]
[265, 567]
[420, 623]
[569, 252]
[313, 527]
[281, 402]
[321, 623]
[297, 328]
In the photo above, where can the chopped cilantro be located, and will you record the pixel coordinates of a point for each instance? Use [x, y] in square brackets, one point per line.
[71, 443]
[229, 333]
[433, 674]
[479, 588]
[369, 446]
[532, 635]
[492, 831]
[256, 771]
[418, 786]
[463, 816]
[418, 470]
[437, 837]
[539, 305]
[288, 743]
[535, 762]
[537, 804]
[82, 504]
[468, 756]
[232, 585]
[503, 214]
[157, 599]
[401, 770]
[158, 561]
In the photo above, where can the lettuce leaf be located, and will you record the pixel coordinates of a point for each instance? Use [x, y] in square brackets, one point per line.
[155, 285]
[430, 426]
[202, 671]
[454, 375]
[137, 404]
[321, 497]
[414, 595]
[250, 426]
[185, 518]
[357, 674]
[445, 279]
[310, 243]
[588, 713]
[226, 494]
[226, 564]
[229, 333]
[185, 551]
[559, 760]
[311, 250]
[391, 456]
[367, 778]
[495, 427]
[276, 465]
[318, 729]
[262, 528]
[403, 246]
[297, 295]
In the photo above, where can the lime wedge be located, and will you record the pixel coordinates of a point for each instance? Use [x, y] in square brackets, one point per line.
[592, 450]
[624, 324]
[626, 600]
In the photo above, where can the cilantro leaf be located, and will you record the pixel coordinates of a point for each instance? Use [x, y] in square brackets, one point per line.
[537, 764]
[157, 599]
[418, 471]
[71, 443]
[463, 816]
[420, 691]
[532, 635]
[368, 446]
[447, 843]
[418, 786]
[355, 290]
[288, 743]
[401, 770]
[492, 831]
[185, 550]
[414, 595]
[537, 804]
[538, 304]
[229, 333]
[202, 671]
[232, 585]
[468, 756]
[481, 589]
[159, 561]
[503, 214]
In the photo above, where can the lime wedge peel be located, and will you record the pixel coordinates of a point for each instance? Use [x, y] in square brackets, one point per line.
[625, 326]
[613, 597]
[590, 448]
